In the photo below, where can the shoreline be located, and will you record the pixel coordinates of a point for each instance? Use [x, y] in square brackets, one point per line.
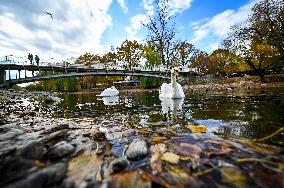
[37, 149]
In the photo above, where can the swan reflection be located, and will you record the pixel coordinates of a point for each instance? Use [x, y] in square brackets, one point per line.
[171, 105]
[110, 100]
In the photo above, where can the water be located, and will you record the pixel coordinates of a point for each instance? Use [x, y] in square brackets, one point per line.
[249, 114]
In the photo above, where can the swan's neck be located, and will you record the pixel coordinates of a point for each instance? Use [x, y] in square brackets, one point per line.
[174, 82]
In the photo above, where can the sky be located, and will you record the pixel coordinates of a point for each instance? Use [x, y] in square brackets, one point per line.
[80, 26]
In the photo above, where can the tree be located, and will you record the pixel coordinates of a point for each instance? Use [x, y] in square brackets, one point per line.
[200, 61]
[183, 52]
[152, 57]
[260, 39]
[130, 52]
[87, 59]
[161, 30]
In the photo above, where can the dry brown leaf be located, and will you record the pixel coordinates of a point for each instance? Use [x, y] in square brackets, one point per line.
[83, 167]
[156, 164]
[158, 139]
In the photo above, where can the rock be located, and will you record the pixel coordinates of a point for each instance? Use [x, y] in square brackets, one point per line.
[59, 150]
[59, 127]
[137, 150]
[128, 133]
[33, 150]
[55, 137]
[118, 165]
[10, 134]
[14, 168]
[95, 135]
[45, 177]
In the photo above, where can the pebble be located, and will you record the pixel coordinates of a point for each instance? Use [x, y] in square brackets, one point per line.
[118, 165]
[137, 150]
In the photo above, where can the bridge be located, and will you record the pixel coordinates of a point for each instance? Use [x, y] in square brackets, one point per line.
[53, 72]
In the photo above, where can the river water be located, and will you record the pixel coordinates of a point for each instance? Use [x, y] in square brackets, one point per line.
[248, 113]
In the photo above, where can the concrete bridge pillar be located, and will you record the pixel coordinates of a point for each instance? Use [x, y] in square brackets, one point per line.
[2, 76]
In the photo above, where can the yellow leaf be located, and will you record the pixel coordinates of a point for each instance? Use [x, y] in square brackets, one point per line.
[171, 157]
[197, 128]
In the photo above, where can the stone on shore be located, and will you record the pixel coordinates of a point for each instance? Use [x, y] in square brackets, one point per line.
[60, 150]
[45, 177]
[137, 150]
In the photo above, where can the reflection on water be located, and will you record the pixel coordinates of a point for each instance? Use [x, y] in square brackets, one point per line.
[250, 114]
[113, 100]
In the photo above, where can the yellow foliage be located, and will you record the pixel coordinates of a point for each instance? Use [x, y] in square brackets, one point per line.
[197, 128]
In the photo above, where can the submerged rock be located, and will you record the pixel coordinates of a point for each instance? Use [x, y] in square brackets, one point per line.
[59, 150]
[137, 150]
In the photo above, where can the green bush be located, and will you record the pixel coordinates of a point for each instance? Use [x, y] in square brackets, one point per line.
[148, 82]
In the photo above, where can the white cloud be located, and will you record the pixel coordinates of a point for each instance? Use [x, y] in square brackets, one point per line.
[123, 5]
[77, 27]
[219, 25]
[178, 6]
[137, 21]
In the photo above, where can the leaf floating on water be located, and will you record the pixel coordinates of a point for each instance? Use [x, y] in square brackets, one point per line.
[233, 176]
[171, 157]
[197, 128]
[158, 139]
[156, 164]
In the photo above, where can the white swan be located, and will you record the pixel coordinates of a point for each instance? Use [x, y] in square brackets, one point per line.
[108, 92]
[172, 90]
[171, 105]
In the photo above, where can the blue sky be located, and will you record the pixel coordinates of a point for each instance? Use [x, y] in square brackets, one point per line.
[94, 25]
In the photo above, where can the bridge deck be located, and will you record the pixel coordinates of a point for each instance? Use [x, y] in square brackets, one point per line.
[73, 72]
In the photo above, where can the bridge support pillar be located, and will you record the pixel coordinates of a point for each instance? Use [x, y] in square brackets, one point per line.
[25, 73]
[19, 74]
[9, 74]
[2, 76]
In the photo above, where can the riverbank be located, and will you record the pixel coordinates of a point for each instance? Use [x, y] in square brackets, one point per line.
[39, 150]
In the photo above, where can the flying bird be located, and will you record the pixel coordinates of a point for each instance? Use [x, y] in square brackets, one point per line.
[49, 14]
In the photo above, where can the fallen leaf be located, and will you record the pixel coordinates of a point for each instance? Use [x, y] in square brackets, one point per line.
[183, 178]
[84, 167]
[233, 176]
[157, 151]
[197, 128]
[189, 150]
[128, 179]
[171, 157]
[158, 139]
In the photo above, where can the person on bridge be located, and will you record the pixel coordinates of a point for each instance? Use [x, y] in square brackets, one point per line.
[30, 57]
[37, 60]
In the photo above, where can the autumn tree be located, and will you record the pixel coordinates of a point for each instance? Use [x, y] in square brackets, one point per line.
[130, 52]
[200, 61]
[260, 39]
[183, 52]
[87, 59]
[161, 30]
